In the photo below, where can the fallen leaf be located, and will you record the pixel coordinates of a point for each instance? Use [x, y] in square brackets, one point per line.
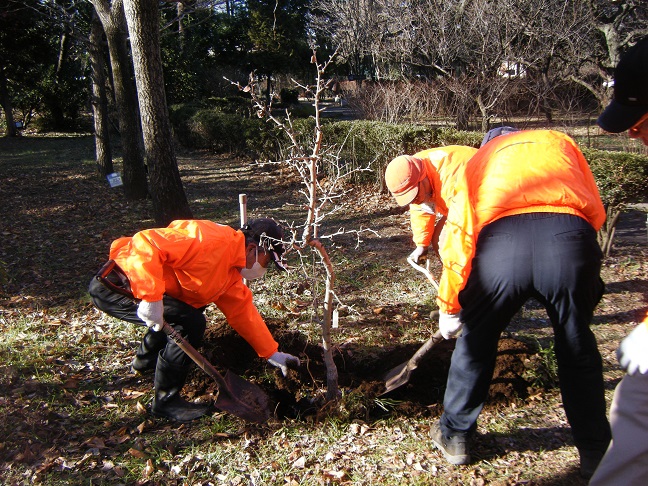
[149, 469]
[137, 453]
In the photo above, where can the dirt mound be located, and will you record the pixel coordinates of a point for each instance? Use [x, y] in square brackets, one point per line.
[361, 371]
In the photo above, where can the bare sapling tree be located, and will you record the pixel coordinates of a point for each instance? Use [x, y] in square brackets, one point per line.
[323, 197]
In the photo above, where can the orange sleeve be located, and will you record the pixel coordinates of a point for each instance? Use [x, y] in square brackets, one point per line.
[241, 313]
[422, 224]
[457, 250]
[594, 211]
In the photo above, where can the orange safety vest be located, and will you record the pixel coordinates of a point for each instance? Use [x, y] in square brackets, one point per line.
[533, 171]
[196, 262]
[442, 165]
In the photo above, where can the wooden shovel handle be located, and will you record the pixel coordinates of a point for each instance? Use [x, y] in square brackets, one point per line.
[197, 358]
[423, 350]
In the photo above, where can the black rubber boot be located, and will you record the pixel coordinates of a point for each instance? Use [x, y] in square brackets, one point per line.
[169, 380]
[147, 354]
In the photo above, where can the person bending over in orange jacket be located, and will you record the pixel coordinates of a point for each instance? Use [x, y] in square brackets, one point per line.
[173, 274]
[435, 172]
[522, 219]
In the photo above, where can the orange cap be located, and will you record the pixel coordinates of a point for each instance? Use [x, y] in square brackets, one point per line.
[402, 177]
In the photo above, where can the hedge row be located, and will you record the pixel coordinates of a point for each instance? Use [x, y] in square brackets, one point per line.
[229, 126]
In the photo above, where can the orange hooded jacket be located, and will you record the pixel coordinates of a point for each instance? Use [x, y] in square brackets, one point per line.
[534, 171]
[196, 262]
[442, 166]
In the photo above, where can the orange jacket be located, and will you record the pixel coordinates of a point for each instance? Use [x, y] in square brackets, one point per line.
[534, 171]
[442, 165]
[198, 263]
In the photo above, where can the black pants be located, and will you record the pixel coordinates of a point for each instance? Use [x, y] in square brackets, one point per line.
[555, 259]
[184, 318]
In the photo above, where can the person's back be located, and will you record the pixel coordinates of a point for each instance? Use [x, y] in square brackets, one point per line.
[532, 171]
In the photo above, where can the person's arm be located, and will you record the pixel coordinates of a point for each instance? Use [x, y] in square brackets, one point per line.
[456, 251]
[422, 224]
[438, 228]
[241, 313]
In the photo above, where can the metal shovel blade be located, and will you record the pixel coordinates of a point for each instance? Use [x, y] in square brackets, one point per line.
[235, 395]
[400, 374]
[243, 399]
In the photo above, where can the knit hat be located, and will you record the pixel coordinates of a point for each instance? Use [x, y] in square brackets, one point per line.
[630, 102]
[402, 177]
[496, 132]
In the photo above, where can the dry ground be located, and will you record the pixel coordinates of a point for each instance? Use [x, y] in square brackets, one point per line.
[56, 225]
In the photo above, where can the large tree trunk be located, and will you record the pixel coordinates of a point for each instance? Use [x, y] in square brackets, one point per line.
[114, 23]
[103, 152]
[169, 199]
[7, 107]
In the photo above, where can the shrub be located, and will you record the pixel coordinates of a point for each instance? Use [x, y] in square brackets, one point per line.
[621, 180]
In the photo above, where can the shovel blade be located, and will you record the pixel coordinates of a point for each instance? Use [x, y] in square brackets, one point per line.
[243, 399]
[397, 376]
[400, 374]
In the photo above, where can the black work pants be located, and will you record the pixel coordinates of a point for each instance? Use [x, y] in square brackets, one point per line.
[555, 259]
[187, 320]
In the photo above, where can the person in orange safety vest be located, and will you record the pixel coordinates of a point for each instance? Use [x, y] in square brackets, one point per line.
[522, 216]
[173, 273]
[436, 170]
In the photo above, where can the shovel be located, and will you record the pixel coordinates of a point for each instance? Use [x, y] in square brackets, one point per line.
[400, 375]
[235, 395]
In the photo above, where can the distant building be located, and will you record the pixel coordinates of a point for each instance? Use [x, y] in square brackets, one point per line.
[511, 69]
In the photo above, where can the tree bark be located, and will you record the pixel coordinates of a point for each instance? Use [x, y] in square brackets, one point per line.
[7, 107]
[114, 23]
[169, 199]
[103, 152]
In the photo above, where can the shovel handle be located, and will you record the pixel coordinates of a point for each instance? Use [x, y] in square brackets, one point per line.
[436, 338]
[197, 358]
[425, 272]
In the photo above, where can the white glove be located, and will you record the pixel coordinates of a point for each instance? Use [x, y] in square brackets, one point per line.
[284, 361]
[450, 325]
[418, 254]
[152, 313]
[633, 351]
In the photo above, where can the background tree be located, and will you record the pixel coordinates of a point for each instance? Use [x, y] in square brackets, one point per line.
[114, 25]
[25, 57]
[277, 33]
[99, 100]
[169, 199]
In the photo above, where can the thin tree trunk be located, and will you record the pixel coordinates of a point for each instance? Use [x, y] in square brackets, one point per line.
[103, 152]
[114, 23]
[7, 107]
[169, 199]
